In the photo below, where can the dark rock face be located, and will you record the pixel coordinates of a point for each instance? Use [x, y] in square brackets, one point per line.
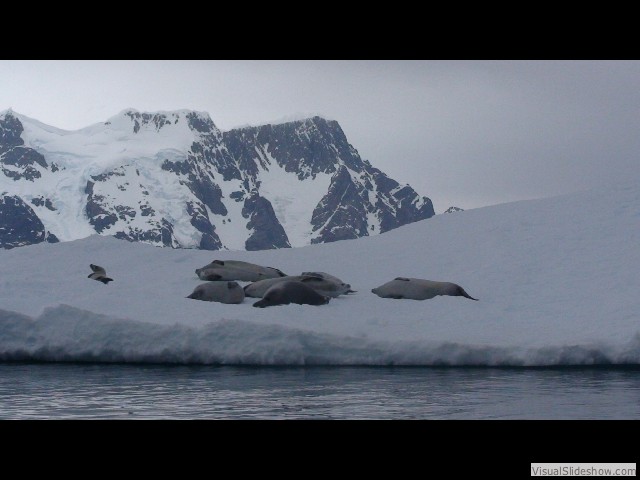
[146, 210]
[200, 220]
[201, 124]
[99, 216]
[405, 200]
[208, 193]
[17, 161]
[160, 233]
[341, 214]
[453, 210]
[267, 231]
[305, 147]
[19, 224]
[10, 131]
[40, 201]
[139, 120]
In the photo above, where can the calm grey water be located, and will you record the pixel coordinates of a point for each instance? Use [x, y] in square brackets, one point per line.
[98, 391]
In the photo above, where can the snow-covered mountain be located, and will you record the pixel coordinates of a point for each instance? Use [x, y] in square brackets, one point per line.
[174, 179]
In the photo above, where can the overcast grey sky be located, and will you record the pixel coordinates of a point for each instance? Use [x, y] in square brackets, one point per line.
[464, 133]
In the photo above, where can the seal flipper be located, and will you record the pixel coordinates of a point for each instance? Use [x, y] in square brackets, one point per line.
[280, 272]
[212, 277]
[260, 303]
[462, 293]
[105, 280]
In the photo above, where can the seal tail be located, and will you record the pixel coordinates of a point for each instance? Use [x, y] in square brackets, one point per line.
[280, 272]
[465, 294]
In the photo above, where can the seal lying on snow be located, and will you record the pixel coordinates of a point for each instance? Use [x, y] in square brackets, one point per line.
[322, 286]
[236, 270]
[284, 293]
[419, 289]
[99, 274]
[333, 279]
[223, 292]
[248, 266]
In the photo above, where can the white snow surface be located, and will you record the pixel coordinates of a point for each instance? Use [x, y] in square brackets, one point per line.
[108, 144]
[557, 280]
[292, 199]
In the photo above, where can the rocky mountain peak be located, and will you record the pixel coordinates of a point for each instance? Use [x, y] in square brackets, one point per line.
[174, 179]
[453, 210]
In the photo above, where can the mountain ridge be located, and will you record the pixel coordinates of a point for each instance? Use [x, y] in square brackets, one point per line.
[173, 178]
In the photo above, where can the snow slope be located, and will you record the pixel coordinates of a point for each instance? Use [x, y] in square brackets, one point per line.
[557, 280]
